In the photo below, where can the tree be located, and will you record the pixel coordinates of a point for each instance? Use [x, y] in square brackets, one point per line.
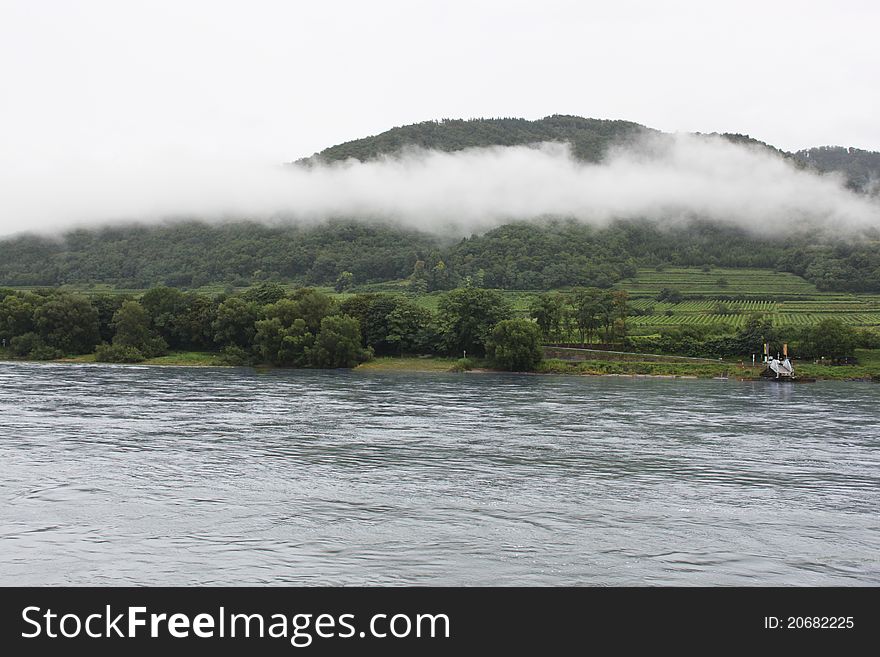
[338, 343]
[235, 323]
[31, 345]
[830, 338]
[587, 312]
[288, 345]
[374, 322]
[418, 280]
[69, 323]
[312, 306]
[468, 315]
[194, 326]
[106, 305]
[345, 281]
[264, 293]
[412, 329]
[758, 330]
[516, 345]
[134, 331]
[547, 310]
[16, 316]
[439, 278]
[283, 336]
[670, 295]
[617, 304]
[165, 306]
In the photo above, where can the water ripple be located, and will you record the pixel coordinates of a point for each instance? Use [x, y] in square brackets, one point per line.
[135, 475]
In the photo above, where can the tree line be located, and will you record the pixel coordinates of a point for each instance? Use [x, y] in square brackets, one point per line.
[306, 328]
[266, 324]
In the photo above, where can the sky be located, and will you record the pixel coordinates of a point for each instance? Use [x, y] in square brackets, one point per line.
[91, 88]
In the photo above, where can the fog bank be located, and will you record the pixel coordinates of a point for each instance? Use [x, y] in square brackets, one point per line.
[666, 178]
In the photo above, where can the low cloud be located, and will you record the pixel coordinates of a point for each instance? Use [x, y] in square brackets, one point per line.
[661, 177]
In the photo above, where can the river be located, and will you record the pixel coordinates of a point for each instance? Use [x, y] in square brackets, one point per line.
[113, 475]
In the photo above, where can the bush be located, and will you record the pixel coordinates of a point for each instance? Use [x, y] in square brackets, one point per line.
[868, 339]
[45, 352]
[31, 345]
[462, 365]
[235, 356]
[114, 353]
[670, 294]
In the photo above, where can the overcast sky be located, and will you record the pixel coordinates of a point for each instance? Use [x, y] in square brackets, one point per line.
[124, 84]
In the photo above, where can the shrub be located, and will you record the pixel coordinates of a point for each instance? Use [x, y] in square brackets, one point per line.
[22, 346]
[114, 353]
[45, 352]
[234, 355]
[462, 365]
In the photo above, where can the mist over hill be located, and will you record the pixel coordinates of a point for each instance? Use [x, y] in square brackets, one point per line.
[507, 203]
[590, 140]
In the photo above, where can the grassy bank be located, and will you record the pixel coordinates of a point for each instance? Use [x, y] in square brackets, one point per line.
[867, 369]
[189, 358]
[408, 364]
[636, 368]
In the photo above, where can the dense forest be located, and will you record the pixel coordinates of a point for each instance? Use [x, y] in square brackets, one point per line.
[537, 255]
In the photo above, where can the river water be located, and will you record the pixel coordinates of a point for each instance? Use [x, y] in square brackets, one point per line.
[135, 475]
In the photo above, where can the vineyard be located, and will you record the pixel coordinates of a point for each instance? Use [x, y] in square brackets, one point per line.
[725, 299]
[740, 283]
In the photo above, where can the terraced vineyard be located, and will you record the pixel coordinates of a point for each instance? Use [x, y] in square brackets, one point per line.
[725, 298]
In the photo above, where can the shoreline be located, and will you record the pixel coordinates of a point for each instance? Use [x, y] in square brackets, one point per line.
[445, 365]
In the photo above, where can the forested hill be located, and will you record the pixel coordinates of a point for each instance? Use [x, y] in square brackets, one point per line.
[861, 168]
[589, 138]
[530, 255]
[518, 256]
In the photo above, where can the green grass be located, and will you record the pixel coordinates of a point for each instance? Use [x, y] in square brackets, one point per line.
[707, 370]
[636, 368]
[407, 364]
[194, 358]
[198, 358]
[869, 358]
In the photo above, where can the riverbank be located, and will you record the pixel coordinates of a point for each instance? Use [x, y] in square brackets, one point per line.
[867, 370]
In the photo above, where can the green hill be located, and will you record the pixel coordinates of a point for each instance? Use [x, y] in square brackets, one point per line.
[861, 168]
[522, 256]
[589, 137]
